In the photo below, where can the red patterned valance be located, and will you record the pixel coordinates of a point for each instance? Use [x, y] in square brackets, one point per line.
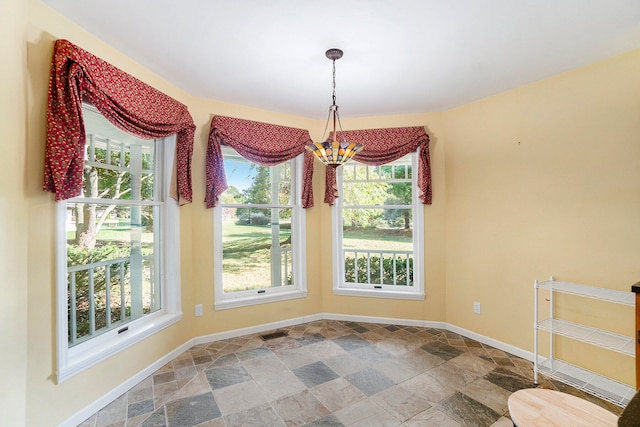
[125, 101]
[262, 143]
[382, 146]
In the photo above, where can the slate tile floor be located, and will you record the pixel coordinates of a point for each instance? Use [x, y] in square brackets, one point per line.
[331, 373]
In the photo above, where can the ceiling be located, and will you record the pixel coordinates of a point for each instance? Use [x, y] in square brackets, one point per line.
[400, 56]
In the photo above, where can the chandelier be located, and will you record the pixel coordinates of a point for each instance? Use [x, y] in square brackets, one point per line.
[336, 152]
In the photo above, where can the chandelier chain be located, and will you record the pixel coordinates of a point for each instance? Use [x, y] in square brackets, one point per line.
[334, 82]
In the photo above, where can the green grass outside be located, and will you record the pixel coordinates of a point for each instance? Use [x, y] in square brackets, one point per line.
[246, 251]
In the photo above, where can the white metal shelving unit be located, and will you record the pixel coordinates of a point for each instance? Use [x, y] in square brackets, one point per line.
[590, 382]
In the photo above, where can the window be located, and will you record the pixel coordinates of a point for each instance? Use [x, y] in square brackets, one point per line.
[259, 233]
[377, 225]
[118, 256]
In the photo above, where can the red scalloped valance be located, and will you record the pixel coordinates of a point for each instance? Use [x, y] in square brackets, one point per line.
[382, 146]
[125, 101]
[262, 143]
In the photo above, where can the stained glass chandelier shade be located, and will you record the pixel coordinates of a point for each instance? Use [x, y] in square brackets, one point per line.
[336, 152]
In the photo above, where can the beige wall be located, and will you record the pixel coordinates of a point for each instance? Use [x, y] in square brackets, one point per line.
[544, 180]
[49, 403]
[13, 214]
[564, 201]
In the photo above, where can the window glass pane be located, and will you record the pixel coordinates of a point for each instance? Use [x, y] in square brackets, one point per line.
[111, 250]
[110, 267]
[252, 183]
[256, 248]
[113, 158]
[377, 224]
[378, 245]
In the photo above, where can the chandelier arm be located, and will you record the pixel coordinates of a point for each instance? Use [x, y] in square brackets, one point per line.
[326, 126]
[339, 125]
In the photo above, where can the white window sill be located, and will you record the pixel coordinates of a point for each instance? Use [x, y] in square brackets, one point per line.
[94, 351]
[243, 301]
[379, 293]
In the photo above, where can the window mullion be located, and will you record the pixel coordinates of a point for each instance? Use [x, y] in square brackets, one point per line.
[135, 163]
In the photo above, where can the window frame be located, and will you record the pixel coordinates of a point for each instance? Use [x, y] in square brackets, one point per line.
[225, 300]
[73, 360]
[340, 287]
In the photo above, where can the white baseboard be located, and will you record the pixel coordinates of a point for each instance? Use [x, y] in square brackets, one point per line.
[384, 320]
[253, 329]
[516, 351]
[109, 397]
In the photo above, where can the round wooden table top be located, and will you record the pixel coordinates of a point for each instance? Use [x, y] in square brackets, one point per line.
[534, 407]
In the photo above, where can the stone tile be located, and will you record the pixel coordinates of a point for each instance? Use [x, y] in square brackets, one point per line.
[457, 343]
[442, 350]
[397, 346]
[508, 380]
[138, 408]
[326, 349]
[89, 422]
[401, 402]
[239, 397]
[371, 354]
[112, 413]
[345, 364]
[186, 372]
[142, 391]
[253, 353]
[488, 394]
[164, 378]
[351, 342]
[337, 394]
[259, 416]
[473, 364]
[366, 414]
[503, 422]
[369, 381]
[452, 374]
[328, 421]
[432, 418]
[192, 411]
[157, 419]
[429, 387]
[259, 365]
[273, 377]
[315, 373]
[225, 360]
[200, 360]
[503, 361]
[198, 385]
[281, 344]
[296, 357]
[431, 365]
[468, 411]
[300, 409]
[162, 393]
[183, 361]
[310, 339]
[225, 376]
[398, 371]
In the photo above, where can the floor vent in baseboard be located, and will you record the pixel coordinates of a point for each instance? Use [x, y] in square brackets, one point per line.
[273, 335]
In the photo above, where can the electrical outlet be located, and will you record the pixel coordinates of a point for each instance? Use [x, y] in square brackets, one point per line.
[198, 309]
[476, 307]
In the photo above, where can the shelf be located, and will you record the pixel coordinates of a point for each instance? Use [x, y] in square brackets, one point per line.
[610, 295]
[609, 340]
[613, 391]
